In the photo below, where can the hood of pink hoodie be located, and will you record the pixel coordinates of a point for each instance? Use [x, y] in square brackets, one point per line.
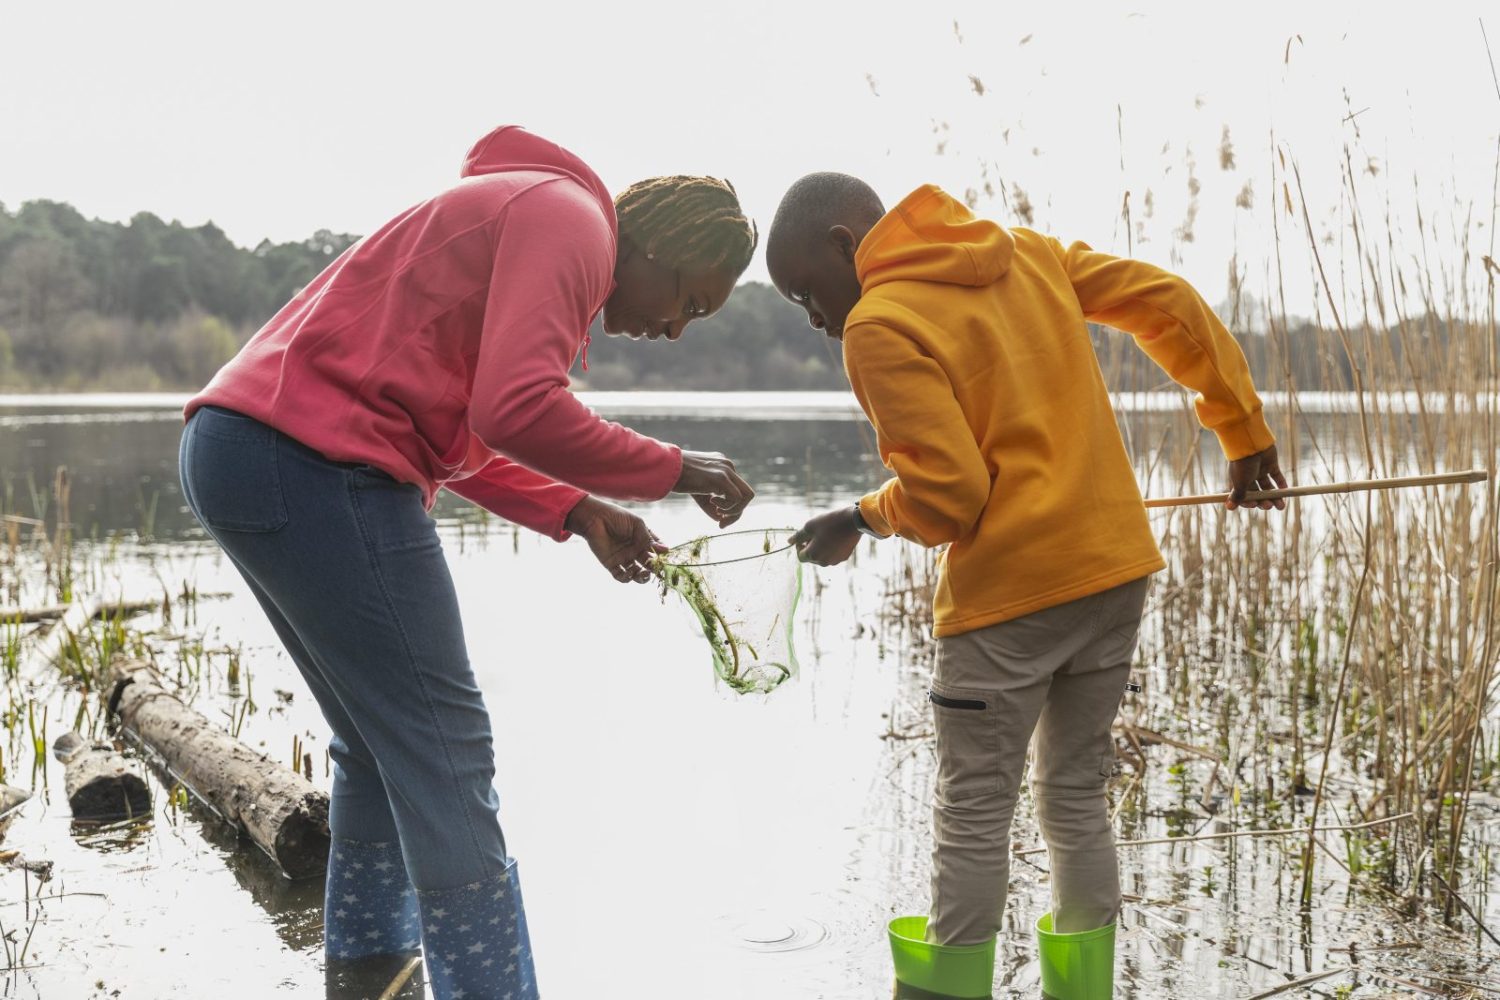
[511, 147]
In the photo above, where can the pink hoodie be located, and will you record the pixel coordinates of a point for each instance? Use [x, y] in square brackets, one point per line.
[438, 348]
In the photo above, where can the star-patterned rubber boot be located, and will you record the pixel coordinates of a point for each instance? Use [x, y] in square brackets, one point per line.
[369, 906]
[475, 942]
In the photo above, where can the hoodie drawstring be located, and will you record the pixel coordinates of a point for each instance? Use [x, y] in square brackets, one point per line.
[586, 340]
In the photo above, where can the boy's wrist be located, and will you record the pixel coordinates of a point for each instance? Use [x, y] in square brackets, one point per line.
[862, 525]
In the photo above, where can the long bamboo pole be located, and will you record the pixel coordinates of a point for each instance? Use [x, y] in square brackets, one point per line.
[1354, 486]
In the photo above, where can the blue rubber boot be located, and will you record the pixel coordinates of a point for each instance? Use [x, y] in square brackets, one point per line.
[475, 941]
[369, 906]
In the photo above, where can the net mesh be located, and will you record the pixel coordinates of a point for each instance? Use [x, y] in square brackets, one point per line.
[743, 588]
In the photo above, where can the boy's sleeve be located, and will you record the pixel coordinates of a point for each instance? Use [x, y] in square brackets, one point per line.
[521, 496]
[1174, 326]
[942, 483]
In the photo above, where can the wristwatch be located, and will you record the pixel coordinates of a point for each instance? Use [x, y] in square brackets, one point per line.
[863, 525]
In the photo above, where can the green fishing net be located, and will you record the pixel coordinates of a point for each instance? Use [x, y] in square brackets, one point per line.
[743, 588]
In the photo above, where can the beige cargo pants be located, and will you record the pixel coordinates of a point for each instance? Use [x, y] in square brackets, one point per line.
[1061, 672]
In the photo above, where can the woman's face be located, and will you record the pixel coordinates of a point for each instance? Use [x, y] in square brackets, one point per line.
[651, 300]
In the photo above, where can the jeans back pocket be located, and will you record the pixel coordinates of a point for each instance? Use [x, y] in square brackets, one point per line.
[231, 473]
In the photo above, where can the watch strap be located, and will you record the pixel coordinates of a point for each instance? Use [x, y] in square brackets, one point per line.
[863, 525]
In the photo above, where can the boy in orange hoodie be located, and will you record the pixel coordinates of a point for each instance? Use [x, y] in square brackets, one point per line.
[967, 345]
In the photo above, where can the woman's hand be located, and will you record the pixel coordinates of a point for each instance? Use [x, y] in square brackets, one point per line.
[828, 539]
[620, 541]
[1260, 472]
[712, 481]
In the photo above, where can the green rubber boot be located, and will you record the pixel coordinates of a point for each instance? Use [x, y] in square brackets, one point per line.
[957, 971]
[1076, 966]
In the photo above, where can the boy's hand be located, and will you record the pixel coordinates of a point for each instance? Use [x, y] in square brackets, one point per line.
[1255, 472]
[828, 539]
[620, 541]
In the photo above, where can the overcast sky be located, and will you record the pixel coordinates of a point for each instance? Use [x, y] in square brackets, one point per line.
[275, 119]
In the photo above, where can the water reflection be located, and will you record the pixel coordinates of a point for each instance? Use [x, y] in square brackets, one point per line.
[763, 843]
[123, 464]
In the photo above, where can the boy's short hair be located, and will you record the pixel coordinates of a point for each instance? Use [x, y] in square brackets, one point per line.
[819, 201]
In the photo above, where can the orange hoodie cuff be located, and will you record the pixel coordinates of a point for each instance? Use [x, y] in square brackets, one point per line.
[1247, 437]
[869, 509]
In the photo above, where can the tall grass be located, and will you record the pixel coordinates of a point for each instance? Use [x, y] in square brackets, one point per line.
[1347, 649]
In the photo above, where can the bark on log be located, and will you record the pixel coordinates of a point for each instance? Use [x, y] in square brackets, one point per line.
[52, 612]
[15, 859]
[277, 808]
[11, 800]
[50, 646]
[101, 784]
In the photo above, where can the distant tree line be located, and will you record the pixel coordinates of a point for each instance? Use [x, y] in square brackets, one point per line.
[148, 304]
[86, 304]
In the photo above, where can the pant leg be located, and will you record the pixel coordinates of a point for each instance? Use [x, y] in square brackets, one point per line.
[1074, 759]
[355, 565]
[358, 808]
[989, 686]
[369, 903]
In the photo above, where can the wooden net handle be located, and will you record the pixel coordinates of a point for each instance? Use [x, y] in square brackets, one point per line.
[1354, 486]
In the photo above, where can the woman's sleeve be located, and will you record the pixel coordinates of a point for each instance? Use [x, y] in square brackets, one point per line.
[553, 268]
[521, 496]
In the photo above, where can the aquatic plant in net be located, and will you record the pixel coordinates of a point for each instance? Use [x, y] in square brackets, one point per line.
[743, 588]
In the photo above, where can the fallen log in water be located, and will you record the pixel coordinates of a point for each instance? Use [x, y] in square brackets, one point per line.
[15, 859]
[51, 646]
[52, 612]
[11, 800]
[277, 808]
[100, 782]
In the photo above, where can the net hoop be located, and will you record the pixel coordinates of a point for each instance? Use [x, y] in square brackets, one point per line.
[671, 557]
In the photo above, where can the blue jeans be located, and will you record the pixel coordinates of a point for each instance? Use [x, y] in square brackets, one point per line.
[349, 568]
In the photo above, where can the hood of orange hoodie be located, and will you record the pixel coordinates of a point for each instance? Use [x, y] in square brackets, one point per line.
[511, 147]
[931, 236]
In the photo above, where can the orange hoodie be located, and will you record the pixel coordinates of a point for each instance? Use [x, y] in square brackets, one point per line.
[969, 351]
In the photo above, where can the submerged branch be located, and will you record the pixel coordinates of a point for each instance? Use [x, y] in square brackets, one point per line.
[1236, 834]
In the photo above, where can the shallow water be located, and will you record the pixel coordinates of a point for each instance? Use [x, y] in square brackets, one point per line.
[675, 840]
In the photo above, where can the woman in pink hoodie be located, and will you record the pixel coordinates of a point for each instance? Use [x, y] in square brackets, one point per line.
[434, 354]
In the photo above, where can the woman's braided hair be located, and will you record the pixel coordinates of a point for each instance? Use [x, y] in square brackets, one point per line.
[688, 223]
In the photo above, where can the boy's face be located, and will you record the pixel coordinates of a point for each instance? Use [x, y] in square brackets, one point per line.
[819, 276]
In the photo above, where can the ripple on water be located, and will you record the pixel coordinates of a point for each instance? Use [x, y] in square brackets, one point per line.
[828, 944]
[765, 932]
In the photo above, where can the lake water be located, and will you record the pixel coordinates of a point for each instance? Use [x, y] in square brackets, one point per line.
[675, 840]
